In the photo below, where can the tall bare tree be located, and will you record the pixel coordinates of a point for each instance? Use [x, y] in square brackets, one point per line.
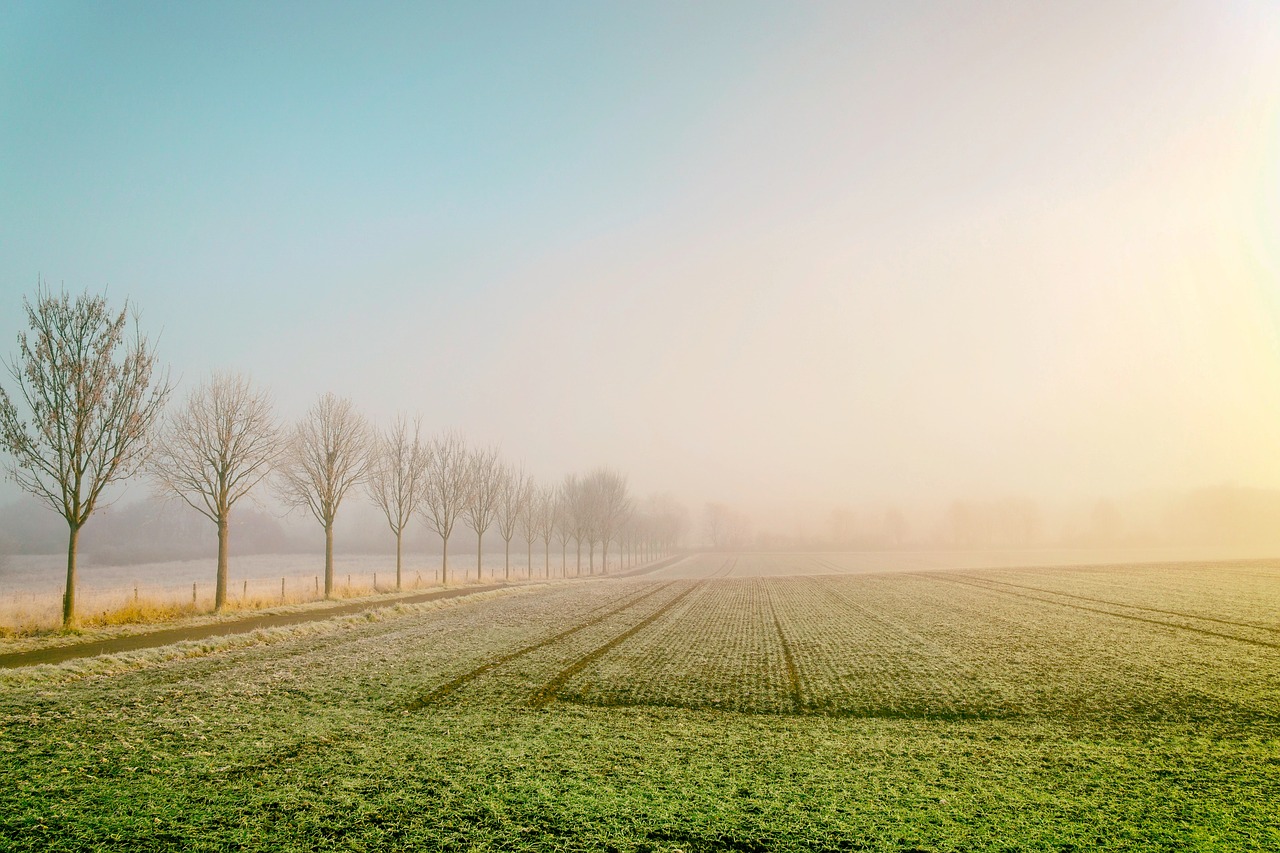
[530, 516]
[577, 511]
[486, 474]
[563, 524]
[397, 476]
[548, 508]
[448, 484]
[606, 505]
[214, 450]
[93, 396]
[324, 458]
[513, 495]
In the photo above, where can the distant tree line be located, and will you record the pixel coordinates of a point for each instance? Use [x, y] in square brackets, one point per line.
[88, 411]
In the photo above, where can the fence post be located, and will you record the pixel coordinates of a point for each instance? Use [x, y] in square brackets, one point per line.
[244, 596]
[193, 594]
[282, 590]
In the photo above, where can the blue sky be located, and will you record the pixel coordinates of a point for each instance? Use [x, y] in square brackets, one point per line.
[746, 251]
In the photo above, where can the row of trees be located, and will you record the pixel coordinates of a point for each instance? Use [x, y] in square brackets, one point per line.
[94, 400]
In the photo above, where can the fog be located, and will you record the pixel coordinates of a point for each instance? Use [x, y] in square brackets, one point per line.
[1009, 271]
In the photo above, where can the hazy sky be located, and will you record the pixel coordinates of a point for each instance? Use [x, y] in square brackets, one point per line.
[746, 251]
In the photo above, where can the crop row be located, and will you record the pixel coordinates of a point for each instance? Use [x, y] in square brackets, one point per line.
[1237, 595]
[926, 645]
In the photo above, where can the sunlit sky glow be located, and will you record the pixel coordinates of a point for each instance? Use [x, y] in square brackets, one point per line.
[753, 252]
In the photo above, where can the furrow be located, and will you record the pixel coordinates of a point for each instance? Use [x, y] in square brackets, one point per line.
[793, 674]
[1160, 622]
[1247, 625]
[453, 684]
[547, 693]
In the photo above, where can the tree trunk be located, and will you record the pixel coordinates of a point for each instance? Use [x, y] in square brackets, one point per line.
[528, 557]
[479, 555]
[220, 587]
[564, 560]
[328, 560]
[591, 557]
[399, 534]
[546, 558]
[444, 560]
[69, 597]
[604, 557]
[506, 566]
[577, 572]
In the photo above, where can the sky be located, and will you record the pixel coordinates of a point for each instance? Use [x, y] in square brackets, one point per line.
[745, 252]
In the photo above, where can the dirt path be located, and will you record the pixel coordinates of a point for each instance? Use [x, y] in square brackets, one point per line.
[155, 639]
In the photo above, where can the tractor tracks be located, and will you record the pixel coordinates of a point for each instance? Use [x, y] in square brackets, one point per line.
[453, 684]
[545, 694]
[1253, 626]
[548, 692]
[989, 586]
[788, 656]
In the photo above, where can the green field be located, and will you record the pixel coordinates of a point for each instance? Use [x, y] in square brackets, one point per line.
[757, 702]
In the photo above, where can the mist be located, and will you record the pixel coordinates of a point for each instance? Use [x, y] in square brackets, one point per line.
[1009, 272]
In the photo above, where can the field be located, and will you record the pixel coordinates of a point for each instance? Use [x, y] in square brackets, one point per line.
[728, 702]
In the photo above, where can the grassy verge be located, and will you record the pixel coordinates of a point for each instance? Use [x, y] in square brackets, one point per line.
[144, 617]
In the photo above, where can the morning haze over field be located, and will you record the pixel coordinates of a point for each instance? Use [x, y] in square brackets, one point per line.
[727, 426]
[793, 258]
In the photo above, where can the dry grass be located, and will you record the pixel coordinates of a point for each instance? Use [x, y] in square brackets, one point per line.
[39, 614]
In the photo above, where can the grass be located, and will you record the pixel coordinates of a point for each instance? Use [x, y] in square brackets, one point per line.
[40, 614]
[136, 615]
[681, 735]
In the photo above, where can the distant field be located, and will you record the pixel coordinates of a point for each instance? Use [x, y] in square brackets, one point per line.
[729, 702]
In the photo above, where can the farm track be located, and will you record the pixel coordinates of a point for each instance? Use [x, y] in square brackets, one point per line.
[650, 569]
[1253, 626]
[450, 686]
[545, 694]
[979, 584]
[169, 636]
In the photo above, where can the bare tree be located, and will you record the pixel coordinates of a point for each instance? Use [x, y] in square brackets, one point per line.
[663, 522]
[513, 497]
[530, 517]
[610, 505]
[563, 524]
[577, 510]
[486, 474]
[216, 449]
[448, 484]
[725, 526]
[397, 477]
[325, 457]
[549, 512]
[93, 397]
